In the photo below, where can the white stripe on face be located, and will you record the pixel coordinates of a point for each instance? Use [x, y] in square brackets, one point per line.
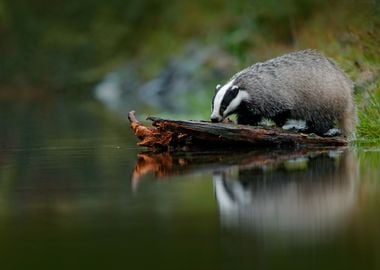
[234, 104]
[218, 100]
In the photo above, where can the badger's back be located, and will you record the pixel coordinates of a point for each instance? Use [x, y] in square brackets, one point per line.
[312, 86]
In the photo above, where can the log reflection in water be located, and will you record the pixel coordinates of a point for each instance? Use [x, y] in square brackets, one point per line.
[166, 164]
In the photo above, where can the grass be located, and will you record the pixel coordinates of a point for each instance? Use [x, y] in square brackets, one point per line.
[369, 120]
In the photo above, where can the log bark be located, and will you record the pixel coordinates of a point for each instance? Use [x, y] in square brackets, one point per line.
[177, 134]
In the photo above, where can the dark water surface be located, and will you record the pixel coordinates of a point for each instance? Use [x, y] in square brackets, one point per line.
[75, 192]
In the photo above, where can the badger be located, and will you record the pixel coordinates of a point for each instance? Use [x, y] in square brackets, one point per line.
[303, 85]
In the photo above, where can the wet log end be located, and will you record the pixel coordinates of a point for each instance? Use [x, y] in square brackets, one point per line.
[148, 136]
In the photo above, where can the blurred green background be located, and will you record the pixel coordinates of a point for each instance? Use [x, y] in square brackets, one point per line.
[69, 45]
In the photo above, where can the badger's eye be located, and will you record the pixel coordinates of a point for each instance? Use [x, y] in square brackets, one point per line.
[217, 87]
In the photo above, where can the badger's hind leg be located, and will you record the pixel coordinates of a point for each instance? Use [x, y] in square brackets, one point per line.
[320, 127]
[347, 121]
[333, 132]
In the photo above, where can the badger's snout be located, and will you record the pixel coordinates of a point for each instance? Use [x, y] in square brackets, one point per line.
[215, 119]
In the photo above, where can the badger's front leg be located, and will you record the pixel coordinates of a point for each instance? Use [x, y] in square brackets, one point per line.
[280, 118]
[248, 119]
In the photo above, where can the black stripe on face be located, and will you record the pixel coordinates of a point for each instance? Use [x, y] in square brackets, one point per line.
[228, 97]
[212, 104]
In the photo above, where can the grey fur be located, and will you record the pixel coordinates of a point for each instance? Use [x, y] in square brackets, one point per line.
[303, 85]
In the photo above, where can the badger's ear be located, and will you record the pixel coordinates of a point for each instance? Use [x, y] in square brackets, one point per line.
[235, 89]
[217, 87]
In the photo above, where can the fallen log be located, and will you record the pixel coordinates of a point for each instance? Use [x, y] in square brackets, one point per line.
[191, 134]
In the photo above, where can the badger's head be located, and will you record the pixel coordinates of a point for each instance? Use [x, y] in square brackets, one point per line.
[227, 100]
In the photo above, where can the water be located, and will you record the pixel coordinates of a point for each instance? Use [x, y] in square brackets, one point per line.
[75, 192]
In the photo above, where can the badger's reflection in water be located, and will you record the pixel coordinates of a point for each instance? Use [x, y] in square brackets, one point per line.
[302, 192]
[306, 196]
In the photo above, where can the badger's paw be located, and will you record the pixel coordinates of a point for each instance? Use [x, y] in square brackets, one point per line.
[295, 125]
[333, 132]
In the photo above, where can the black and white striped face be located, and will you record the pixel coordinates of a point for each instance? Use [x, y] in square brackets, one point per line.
[226, 100]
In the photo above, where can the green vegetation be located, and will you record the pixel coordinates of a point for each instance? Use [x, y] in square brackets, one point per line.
[368, 129]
